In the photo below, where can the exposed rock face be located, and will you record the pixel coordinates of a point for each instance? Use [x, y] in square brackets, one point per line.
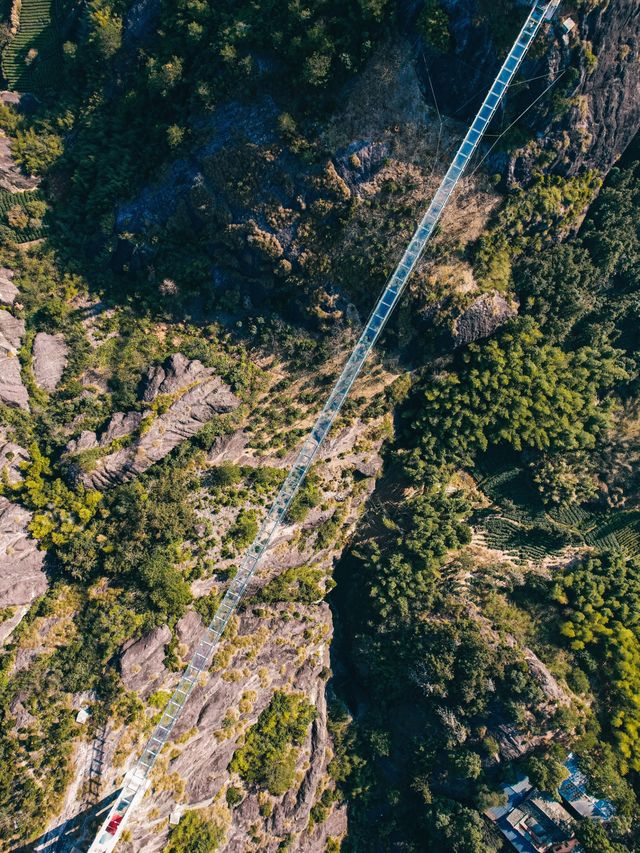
[278, 646]
[21, 564]
[201, 396]
[8, 290]
[175, 375]
[142, 662]
[12, 391]
[11, 178]
[49, 359]
[605, 112]
[21, 576]
[481, 319]
[119, 426]
[188, 631]
[259, 667]
[11, 331]
[11, 455]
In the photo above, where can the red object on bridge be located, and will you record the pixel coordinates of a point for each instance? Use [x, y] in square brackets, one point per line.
[114, 823]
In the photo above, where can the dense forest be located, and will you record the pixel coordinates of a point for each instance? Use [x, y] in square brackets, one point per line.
[199, 203]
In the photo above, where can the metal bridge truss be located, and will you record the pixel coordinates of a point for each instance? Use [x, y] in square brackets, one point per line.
[136, 780]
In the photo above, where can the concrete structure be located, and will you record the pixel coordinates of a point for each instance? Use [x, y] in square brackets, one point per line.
[176, 816]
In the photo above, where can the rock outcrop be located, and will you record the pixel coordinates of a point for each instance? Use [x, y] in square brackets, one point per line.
[49, 359]
[142, 662]
[12, 391]
[254, 667]
[268, 646]
[200, 395]
[482, 318]
[8, 290]
[171, 377]
[22, 578]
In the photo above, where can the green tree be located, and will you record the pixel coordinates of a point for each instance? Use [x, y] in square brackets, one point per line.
[593, 837]
[105, 33]
[195, 834]
[546, 772]
[513, 389]
[600, 598]
[433, 24]
[36, 152]
[558, 287]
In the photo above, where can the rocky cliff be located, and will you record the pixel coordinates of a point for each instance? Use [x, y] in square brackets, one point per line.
[132, 442]
[278, 641]
[22, 576]
[593, 111]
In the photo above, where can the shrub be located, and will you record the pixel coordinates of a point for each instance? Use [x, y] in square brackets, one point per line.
[433, 24]
[195, 834]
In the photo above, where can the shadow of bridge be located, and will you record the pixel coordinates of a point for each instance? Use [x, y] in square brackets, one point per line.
[73, 834]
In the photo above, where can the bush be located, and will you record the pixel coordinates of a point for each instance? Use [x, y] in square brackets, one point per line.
[234, 796]
[433, 24]
[195, 834]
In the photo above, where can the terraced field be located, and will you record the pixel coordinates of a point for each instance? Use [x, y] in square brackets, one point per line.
[519, 524]
[9, 200]
[31, 61]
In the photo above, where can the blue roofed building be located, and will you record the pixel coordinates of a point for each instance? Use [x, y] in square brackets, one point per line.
[533, 822]
[576, 797]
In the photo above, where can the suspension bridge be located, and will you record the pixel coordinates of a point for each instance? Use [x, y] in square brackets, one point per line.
[137, 779]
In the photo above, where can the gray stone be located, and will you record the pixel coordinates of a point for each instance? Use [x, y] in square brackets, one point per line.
[142, 662]
[206, 396]
[12, 390]
[173, 376]
[22, 578]
[11, 332]
[189, 630]
[8, 290]
[49, 359]
[481, 319]
[87, 440]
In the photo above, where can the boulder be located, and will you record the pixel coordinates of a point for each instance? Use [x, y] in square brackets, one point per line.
[142, 662]
[49, 359]
[8, 290]
[11, 332]
[22, 578]
[12, 390]
[189, 630]
[486, 314]
[176, 374]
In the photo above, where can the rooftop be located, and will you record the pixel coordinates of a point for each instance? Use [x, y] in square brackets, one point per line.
[534, 822]
[574, 792]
